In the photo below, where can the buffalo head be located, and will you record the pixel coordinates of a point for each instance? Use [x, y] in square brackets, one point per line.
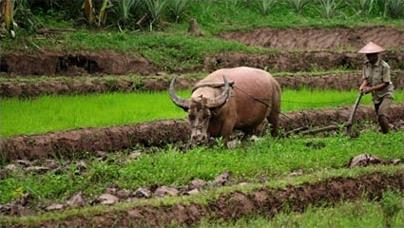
[200, 110]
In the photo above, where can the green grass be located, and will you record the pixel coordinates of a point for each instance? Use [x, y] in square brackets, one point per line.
[269, 158]
[54, 113]
[361, 213]
[216, 17]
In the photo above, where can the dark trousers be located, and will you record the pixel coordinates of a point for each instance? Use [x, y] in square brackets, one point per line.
[382, 109]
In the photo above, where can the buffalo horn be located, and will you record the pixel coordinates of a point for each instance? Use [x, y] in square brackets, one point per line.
[222, 98]
[182, 103]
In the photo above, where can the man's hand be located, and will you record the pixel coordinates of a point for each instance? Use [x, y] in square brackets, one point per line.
[366, 89]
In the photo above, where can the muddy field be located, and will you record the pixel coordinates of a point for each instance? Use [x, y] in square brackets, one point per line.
[298, 61]
[234, 205]
[316, 38]
[70, 143]
[83, 85]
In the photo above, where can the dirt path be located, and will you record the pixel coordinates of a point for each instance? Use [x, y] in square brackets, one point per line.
[234, 205]
[70, 143]
[84, 85]
[319, 38]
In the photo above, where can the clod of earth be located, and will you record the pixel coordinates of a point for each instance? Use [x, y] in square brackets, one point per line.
[142, 193]
[197, 183]
[107, 199]
[232, 144]
[37, 169]
[192, 192]
[298, 172]
[76, 200]
[24, 163]
[123, 194]
[165, 191]
[101, 154]
[134, 155]
[363, 160]
[81, 166]
[51, 164]
[222, 179]
[111, 190]
[55, 207]
[17, 207]
[10, 167]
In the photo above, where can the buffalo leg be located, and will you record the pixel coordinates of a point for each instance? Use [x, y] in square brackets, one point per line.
[260, 129]
[273, 119]
[226, 131]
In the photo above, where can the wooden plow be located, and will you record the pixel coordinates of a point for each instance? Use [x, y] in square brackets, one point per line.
[305, 130]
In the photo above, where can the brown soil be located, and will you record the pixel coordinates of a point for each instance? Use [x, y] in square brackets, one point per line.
[108, 62]
[298, 61]
[319, 38]
[75, 85]
[231, 206]
[338, 81]
[70, 143]
[73, 63]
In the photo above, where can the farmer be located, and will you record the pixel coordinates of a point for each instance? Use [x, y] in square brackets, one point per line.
[376, 80]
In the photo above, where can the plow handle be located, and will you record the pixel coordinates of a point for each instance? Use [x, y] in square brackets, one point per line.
[354, 108]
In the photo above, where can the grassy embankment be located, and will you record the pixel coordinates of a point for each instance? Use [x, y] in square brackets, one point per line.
[268, 158]
[207, 196]
[53, 113]
[172, 47]
[361, 213]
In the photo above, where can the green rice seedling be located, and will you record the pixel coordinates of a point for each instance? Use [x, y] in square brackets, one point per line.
[264, 6]
[329, 8]
[298, 5]
[51, 113]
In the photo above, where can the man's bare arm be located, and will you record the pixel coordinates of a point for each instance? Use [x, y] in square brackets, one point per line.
[369, 89]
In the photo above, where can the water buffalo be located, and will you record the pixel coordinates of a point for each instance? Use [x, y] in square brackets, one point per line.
[241, 98]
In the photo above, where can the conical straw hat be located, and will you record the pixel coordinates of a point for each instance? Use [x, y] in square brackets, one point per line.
[371, 48]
